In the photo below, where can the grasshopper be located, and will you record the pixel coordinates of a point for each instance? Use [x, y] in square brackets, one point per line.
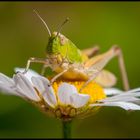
[70, 63]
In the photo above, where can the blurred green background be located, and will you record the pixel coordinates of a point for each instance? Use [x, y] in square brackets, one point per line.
[22, 35]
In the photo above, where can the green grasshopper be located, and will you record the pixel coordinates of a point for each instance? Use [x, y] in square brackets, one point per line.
[70, 63]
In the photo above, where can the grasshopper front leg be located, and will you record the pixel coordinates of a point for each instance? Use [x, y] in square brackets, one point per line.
[35, 60]
[44, 69]
[98, 63]
[58, 75]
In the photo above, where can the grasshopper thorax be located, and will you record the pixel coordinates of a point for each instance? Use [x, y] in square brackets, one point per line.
[56, 47]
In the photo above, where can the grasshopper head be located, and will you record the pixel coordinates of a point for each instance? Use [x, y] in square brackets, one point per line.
[55, 43]
[61, 48]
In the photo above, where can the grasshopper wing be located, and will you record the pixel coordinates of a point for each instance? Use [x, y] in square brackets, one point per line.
[106, 79]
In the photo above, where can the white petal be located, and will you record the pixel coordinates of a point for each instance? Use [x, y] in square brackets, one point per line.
[38, 84]
[124, 105]
[43, 86]
[134, 90]
[25, 87]
[112, 91]
[126, 98]
[7, 90]
[134, 93]
[79, 100]
[6, 85]
[29, 73]
[65, 90]
[6, 80]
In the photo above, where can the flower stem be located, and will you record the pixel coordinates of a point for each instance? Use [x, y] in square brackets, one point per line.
[66, 129]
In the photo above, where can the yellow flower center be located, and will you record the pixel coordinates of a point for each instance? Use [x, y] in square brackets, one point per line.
[93, 89]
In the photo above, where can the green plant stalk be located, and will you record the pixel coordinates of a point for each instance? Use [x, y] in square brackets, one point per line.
[66, 129]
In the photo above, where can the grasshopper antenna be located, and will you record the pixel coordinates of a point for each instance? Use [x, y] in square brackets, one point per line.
[43, 22]
[59, 29]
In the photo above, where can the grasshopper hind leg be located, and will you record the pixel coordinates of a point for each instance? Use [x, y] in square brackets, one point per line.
[90, 52]
[99, 62]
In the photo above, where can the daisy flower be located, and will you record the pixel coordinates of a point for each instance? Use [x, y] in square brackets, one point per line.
[62, 100]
